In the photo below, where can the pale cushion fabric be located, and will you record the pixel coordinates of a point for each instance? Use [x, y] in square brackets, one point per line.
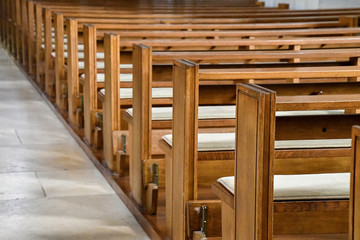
[124, 77]
[81, 55]
[226, 142]
[43, 46]
[225, 112]
[65, 41]
[305, 186]
[126, 93]
[318, 143]
[101, 65]
[211, 141]
[205, 112]
[309, 112]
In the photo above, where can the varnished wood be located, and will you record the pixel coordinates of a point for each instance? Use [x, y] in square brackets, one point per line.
[111, 114]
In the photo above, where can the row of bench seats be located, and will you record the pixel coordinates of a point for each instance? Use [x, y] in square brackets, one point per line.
[179, 125]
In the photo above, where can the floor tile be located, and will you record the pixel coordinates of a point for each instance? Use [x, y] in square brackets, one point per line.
[101, 217]
[51, 136]
[20, 185]
[40, 158]
[11, 73]
[74, 183]
[9, 137]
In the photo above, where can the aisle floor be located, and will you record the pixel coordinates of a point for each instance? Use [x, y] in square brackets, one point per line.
[49, 189]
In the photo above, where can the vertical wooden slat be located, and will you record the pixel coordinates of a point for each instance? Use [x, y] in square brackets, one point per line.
[24, 31]
[47, 50]
[2, 16]
[38, 40]
[254, 168]
[184, 145]
[354, 205]
[73, 70]
[17, 28]
[59, 58]
[90, 87]
[31, 37]
[13, 27]
[141, 138]
[111, 108]
[8, 23]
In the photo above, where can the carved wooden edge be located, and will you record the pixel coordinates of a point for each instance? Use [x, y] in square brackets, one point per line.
[223, 193]
[354, 205]
[254, 162]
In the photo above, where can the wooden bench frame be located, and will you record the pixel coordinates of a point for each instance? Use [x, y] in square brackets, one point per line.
[184, 179]
[91, 34]
[162, 45]
[143, 141]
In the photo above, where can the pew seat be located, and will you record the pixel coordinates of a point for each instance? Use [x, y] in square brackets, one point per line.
[81, 55]
[127, 93]
[210, 142]
[101, 65]
[224, 112]
[100, 77]
[304, 186]
[80, 46]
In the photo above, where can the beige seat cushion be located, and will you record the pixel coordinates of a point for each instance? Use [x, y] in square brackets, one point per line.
[224, 112]
[205, 112]
[124, 77]
[65, 39]
[305, 186]
[126, 93]
[310, 112]
[81, 55]
[226, 142]
[101, 65]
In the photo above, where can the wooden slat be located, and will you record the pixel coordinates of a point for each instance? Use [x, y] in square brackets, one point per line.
[90, 86]
[141, 139]
[111, 114]
[254, 163]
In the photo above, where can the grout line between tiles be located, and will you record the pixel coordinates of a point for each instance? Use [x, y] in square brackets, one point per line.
[17, 135]
[42, 187]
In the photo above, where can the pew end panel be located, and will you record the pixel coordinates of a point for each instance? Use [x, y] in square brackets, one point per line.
[354, 207]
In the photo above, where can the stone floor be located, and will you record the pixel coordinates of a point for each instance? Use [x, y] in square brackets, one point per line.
[49, 189]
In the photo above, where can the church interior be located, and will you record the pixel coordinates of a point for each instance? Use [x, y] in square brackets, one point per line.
[180, 119]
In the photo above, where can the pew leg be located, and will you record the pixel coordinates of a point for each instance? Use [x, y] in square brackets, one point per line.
[228, 222]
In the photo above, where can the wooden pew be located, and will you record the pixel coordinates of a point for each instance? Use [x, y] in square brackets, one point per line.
[47, 13]
[89, 110]
[222, 45]
[143, 147]
[16, 47]
[141, 35]
[308, 219]
[23, 14]
[48, 46]
[187, 115]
